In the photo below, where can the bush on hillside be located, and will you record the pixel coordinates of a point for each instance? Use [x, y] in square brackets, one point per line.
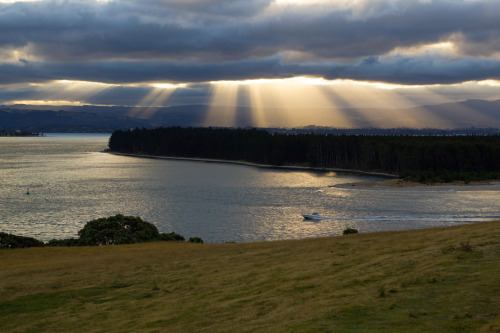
[111, 230]
[171, 237]
[8, 241]
[350, 231]
[117, 229]
[195, 240]
[63, 242]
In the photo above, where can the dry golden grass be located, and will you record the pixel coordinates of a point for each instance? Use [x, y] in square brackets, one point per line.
[412, 281]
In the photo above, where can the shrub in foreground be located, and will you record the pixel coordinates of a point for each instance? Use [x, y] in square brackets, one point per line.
[117, 229]
[63, 242]
[195, 240]
[171, 237]
[8, 241]
[111, 230]
[350, 231]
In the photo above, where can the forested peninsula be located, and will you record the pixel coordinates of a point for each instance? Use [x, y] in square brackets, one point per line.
[425, 159]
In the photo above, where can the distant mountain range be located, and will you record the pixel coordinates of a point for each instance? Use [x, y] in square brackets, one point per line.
[468, 114]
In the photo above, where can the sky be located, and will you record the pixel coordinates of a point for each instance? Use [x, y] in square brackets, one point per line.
[295, 56]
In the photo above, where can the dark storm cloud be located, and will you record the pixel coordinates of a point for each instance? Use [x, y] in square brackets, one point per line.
[139, 71]
[401, 70]
[204, 40]
[240, 8]
[80, 31]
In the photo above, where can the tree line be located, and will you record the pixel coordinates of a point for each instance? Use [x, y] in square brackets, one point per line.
[420, 158]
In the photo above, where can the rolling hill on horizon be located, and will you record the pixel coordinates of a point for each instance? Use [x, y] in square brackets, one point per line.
[461, 115]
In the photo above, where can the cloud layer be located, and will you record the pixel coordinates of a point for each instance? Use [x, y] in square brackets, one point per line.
[190, 41]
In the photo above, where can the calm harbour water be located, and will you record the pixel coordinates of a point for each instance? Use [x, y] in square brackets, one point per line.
[71, 182]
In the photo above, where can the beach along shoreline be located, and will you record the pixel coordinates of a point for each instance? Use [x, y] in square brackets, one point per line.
[269, 166]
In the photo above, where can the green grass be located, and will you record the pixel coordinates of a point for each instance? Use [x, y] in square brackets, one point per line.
[412, 281]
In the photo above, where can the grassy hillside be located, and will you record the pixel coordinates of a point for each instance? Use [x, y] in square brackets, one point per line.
[413, 281]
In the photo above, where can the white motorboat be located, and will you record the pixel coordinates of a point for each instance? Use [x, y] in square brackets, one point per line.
[313, 216]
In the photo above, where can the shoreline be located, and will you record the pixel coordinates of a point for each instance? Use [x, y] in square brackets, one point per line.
[391, 181]
[400, 183]
[268, 166]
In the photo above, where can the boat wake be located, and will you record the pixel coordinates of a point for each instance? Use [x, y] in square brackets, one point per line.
[450, 219]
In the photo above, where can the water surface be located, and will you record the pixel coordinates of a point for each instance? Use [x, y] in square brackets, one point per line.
[70, 182]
